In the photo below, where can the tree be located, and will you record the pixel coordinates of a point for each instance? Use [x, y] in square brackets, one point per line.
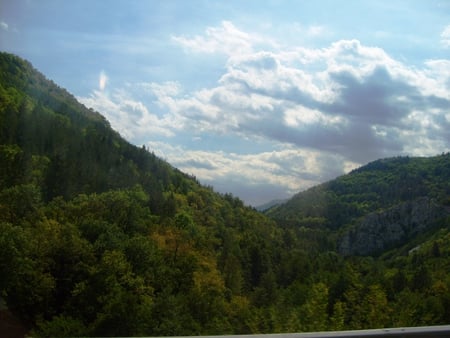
[314, 311]
[337, 320]
[375, 311]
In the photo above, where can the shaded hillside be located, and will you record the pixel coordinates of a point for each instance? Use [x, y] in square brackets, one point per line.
[374, 187]
[102, 238]
[75, 196]
[66, 148]
[377, 207]
[379, 231]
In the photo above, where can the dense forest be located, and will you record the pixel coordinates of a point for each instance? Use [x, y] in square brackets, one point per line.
[375, 186]
[99, 237]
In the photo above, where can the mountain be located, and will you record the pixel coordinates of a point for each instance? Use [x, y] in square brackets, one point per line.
[376, 186]
[377, 206]
[68, 148]
[99, 237]
[379, 231]
[83, 213]
[270, 204]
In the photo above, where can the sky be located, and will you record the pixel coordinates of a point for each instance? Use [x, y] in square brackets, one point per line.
[261, 99]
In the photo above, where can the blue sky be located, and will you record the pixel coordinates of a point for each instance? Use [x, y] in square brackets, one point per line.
[258, 98]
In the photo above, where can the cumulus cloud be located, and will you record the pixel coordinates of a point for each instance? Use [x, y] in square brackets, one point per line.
[281, 173]
[225, 39]
[318, 111]
[128, 116]
[357, 101]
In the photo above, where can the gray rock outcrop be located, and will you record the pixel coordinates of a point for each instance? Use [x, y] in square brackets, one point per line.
[380, 231]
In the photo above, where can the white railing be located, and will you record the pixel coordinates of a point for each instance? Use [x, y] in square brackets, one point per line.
[401, 332]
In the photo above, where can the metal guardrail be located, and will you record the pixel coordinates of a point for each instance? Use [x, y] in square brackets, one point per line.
[401, 332]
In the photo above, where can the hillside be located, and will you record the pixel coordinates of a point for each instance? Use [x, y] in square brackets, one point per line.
[361, 205]
[102, 238]
[74, 196]
[67, 148]
[375, 186]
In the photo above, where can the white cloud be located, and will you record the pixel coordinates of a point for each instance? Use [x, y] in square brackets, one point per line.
[316, 30]
[436, 78]
[336, 99]
[4, 25]
[226, 39]
[303, 117]
[170, 88]
[223, 39]
[286, 171]
[128, 116]
[445, 37]
[319, 111]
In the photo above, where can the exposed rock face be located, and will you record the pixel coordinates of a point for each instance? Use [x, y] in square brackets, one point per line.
[382, 230]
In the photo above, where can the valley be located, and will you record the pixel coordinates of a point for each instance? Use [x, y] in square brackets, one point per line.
[99, 237]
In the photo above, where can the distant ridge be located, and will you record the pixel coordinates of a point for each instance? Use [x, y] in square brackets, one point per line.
[268, 205]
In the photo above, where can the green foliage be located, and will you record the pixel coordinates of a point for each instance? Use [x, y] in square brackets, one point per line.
[378, 185]
[60, 326]
[101, 238]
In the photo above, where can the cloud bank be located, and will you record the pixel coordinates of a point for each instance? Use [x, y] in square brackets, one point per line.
[292, 116]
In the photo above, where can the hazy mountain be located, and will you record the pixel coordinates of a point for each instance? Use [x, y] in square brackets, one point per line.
[268, 205]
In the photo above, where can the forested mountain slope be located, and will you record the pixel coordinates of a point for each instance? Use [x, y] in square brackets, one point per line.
[374, 187]
[376, 207]
[102, 238]
[74, 196]
[65, 147]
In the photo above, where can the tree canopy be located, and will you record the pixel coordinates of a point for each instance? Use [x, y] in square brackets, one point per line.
[102, 238]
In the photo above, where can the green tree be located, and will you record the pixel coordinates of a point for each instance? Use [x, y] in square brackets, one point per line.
[314, 311]
[375, 310]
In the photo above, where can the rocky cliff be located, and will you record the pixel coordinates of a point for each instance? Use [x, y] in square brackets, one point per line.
[380, 231]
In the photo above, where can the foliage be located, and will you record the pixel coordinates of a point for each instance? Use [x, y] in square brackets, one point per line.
[376, 186]
[99, 237]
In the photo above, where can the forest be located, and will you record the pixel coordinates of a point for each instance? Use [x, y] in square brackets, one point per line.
[99, 237]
